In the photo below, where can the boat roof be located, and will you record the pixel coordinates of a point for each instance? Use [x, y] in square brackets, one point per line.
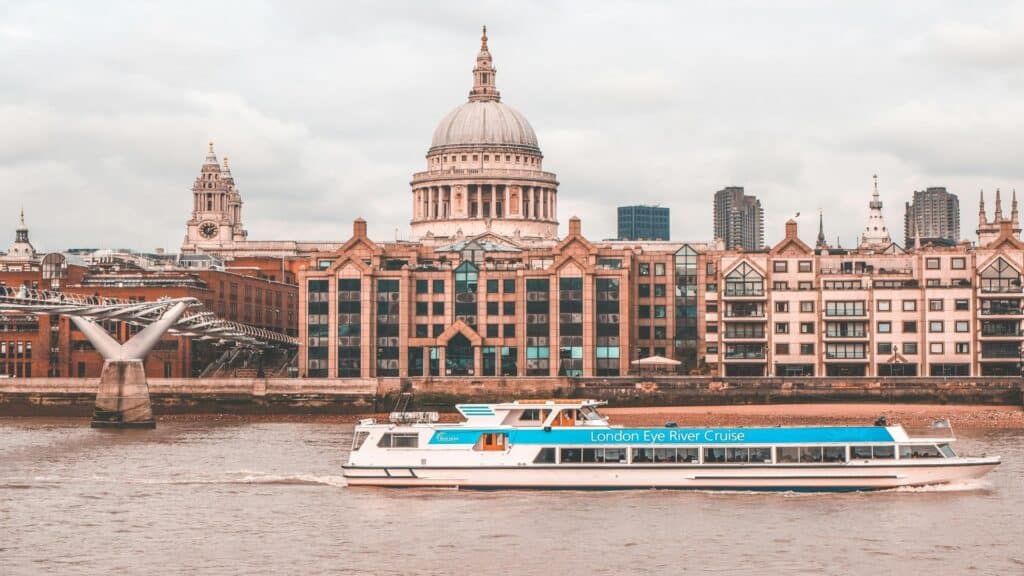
[490, 410]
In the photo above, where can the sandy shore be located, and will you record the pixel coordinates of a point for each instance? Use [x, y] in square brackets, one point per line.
[910, 415]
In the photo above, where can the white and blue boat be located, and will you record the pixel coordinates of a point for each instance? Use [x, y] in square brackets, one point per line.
[569, 444]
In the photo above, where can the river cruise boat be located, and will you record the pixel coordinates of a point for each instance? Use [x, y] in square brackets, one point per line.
[569, 444]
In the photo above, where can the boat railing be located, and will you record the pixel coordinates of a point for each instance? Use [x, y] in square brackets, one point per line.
[413, 417]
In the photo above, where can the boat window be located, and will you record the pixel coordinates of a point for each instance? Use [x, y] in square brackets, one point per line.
[714, 455]
[565, 418]
[531, 415]
[590, 454]
[662, 455]
[737, 454]
[860, 452]
[643, 455]
[919, 451]
[883, 452]
[614, 455]
[763, 454]
[947, 451]
[810, 453]
[589, 413]
[571, 455]
[835, 453]
[787, 454]
[399, 440]
[545, 456]
[687, 454]
[358, 439]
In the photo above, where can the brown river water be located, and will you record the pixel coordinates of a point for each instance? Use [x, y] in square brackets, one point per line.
[205, 497]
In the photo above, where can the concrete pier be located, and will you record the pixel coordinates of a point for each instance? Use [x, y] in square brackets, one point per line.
[122, 397]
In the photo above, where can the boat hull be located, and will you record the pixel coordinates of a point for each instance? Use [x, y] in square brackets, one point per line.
[851, 476]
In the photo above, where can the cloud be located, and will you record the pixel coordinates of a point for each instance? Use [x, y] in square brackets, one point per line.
[327, 109]
[971, 45]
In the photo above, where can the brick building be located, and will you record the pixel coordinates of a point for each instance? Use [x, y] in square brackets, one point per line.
[490, 292]
[32, 345]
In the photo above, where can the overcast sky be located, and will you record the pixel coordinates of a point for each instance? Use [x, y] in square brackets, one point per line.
[326, 109]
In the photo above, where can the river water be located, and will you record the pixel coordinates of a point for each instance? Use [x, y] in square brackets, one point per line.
[243, 498]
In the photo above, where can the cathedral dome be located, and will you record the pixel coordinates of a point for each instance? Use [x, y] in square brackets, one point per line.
[487, 122]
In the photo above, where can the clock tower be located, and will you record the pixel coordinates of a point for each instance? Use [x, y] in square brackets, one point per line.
[216, 221]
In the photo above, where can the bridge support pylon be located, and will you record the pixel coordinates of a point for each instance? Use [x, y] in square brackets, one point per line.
[122, 399]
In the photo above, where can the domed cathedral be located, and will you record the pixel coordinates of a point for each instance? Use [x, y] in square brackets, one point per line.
[216, 208]
[484, 171]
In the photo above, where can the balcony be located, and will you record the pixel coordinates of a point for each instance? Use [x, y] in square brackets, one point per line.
[736, 313]
[744, 335]
[1001, 329]
[745, 352]
[1000, 350]
[1001, 308]
[989, 287]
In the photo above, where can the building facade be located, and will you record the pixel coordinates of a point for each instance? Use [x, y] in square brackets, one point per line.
[484, 171]
[643, 223]
[739, 219]
[50, 345]
[932, 216]
[469, 299]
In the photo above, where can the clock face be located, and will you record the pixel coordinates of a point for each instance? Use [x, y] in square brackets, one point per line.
[208, 230]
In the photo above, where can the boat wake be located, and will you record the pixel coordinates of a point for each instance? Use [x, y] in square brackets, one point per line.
[976, 484]
[251, 477]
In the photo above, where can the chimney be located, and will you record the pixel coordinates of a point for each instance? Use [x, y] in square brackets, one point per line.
[359, 228]
[790, 229]
[574, 226]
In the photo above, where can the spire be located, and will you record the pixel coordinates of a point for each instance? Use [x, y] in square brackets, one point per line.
[999, 207]
[211, 156]
[821, 243]
[484, 89]
[21, 219]
[982, 218]
[227, 168]
[876, 235]
[1014, 215]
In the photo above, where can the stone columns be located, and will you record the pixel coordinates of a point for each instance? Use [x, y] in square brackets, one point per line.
[497, 360]
[426, 361]
[442, 360]
[430, 203]
[478, 360]
[529, 203]
[506, 206]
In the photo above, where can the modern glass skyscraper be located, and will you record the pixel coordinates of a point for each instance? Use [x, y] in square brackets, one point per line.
[643, 223]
